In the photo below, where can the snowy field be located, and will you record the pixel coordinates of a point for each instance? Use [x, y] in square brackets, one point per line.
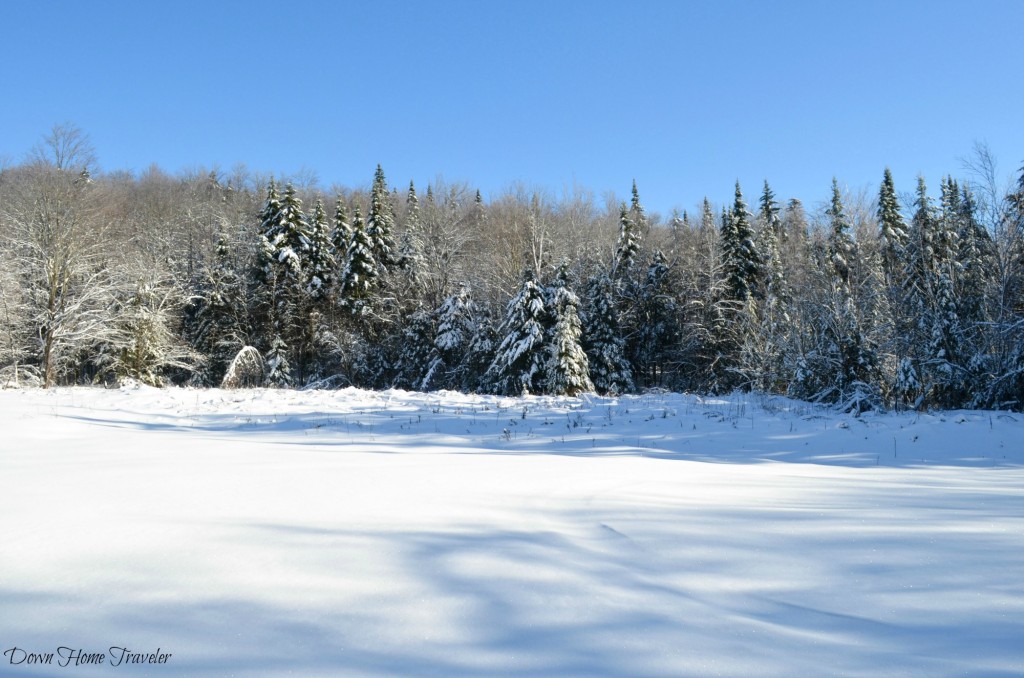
[261, 533]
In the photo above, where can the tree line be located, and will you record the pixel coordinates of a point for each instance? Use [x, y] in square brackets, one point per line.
[211, 278]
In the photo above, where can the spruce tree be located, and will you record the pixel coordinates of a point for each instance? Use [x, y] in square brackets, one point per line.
[320, 263]
[853, 357]
[289, 235]
[568, 370]
[456, 328]
[602, 339]
[360, 274]
[841, 249]
[341, 236]
[740, 257]
[482, 348]
[654, 327]
[766, 342]
[893, 230]
[380, 224]
[627, 246]
[410, 247]
[637, 214]
[520, 361]
[279, 371]
[414, 351]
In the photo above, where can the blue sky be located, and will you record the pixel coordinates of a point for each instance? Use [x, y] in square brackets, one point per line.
[685, 97]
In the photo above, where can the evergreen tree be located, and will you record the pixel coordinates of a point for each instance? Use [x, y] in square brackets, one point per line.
[637, 214]
[380, 225]
[568, 370]
[410, 248]
[740, 257]
[289, 235]
[654, 329]
[341, 234]
[976, 263]
[602, 339]
[279, 371]
[628, 245]
[360, 274]
[481, 354]
[415, 351]
[320, 263]
[456, 328]
[766, 341]
[520, 361]
[838, 363]
[893, 230]
[841, 248]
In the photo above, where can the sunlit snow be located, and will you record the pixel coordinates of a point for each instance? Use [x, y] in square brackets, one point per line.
[323, 533]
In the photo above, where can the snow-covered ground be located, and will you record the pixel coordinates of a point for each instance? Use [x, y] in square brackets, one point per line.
[262, 533]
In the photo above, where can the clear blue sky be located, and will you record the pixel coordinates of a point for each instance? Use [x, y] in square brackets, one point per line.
[686, 97]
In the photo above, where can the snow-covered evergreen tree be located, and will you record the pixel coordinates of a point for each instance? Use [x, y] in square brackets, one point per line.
[653, 325]
[482, 349]
[380, 223]
[289, 235]
[602, 338]
[628, 245]
[637, 215]
[766, 341]
[456, 328]
[838, 363]
[410, 247]
[360, 274]
[415, 350]
[320, 263]
[893, 230]
[742, 264]
[520, 361]
[341, 235]
[568, 369]
[279, 371]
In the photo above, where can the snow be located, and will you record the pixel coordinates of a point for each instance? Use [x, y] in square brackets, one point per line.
[322, 533]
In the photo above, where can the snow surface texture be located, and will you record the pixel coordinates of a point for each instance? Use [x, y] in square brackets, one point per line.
[323, 533]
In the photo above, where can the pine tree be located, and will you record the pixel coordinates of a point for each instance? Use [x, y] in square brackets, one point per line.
[410, 248]
[269, 215]
[481, 354]
[520, 361]
[415, 351]
[766, 340]
[380, 224]
[837, 362]
[637, 214]
[602, 339]
[456, 328]
[654, 328]
[279, 371]
[360, 274]
[841, 249]
[893, 230]
[289, 235]
[568, 370]
[976, 262]
[627, 246]
[320, 263]
[341, 236]
[740, 257]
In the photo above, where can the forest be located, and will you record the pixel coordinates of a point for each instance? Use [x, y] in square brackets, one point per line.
[902, 299]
